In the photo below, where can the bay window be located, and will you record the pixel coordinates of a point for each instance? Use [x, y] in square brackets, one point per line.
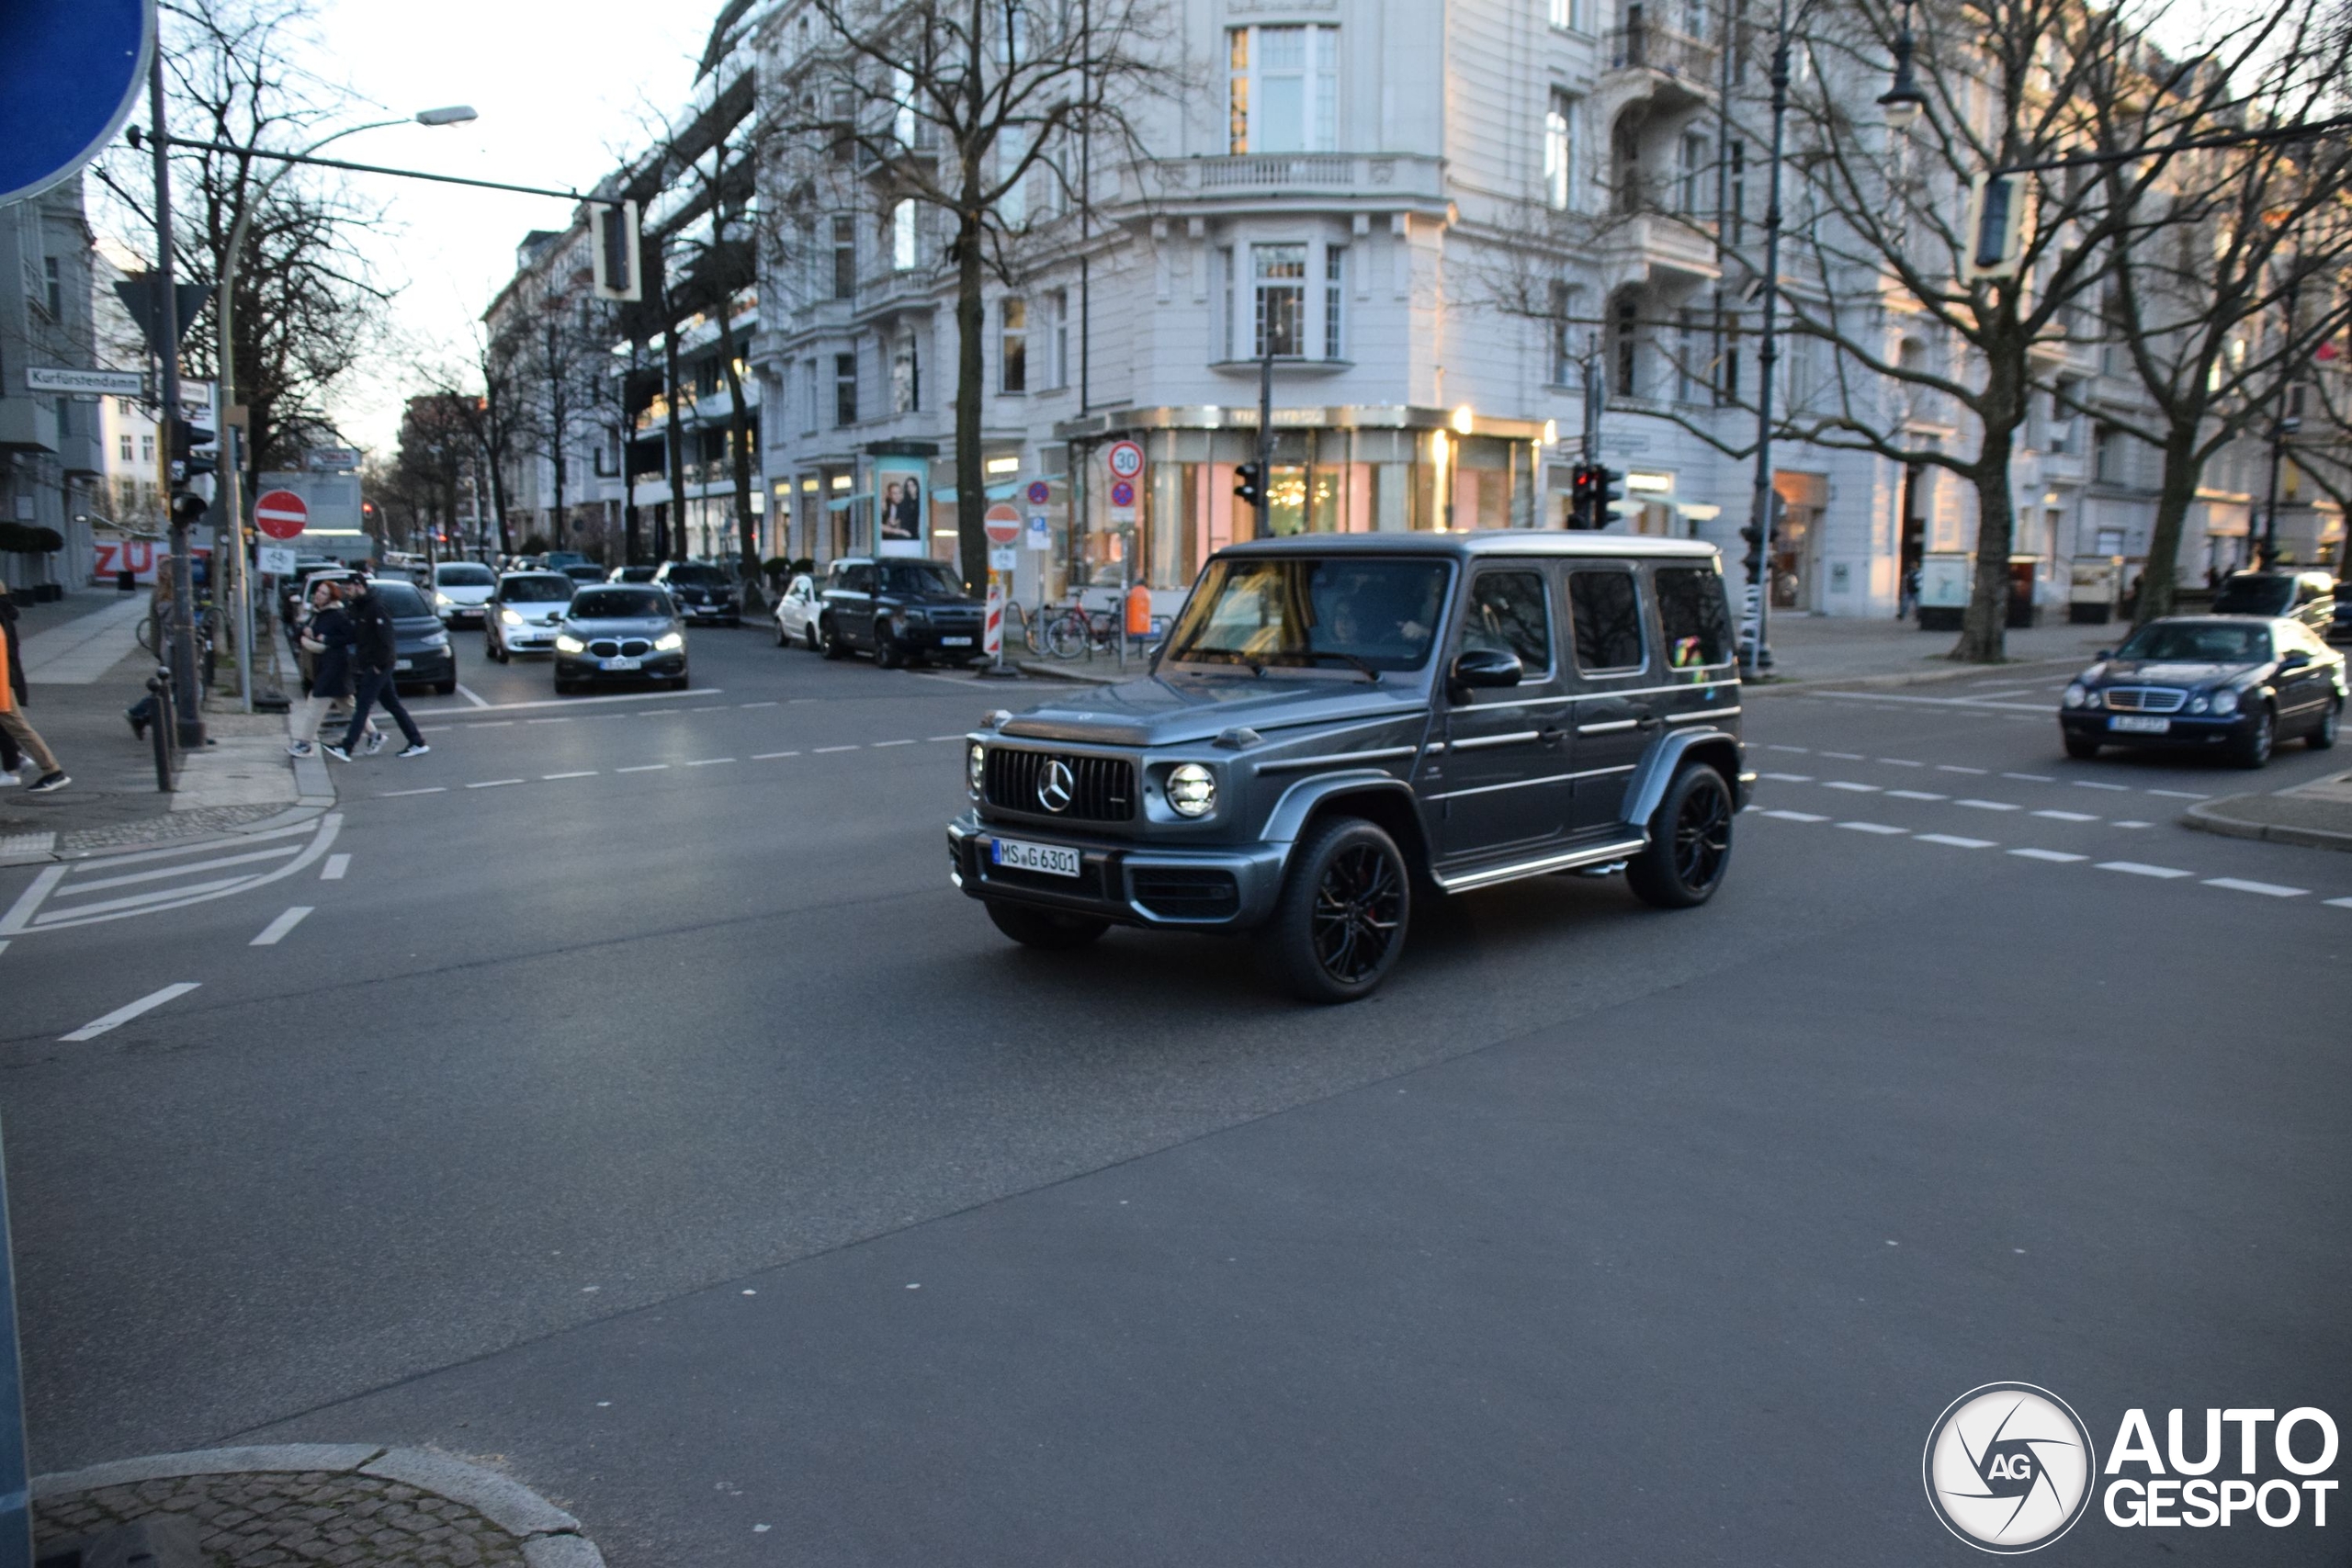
[1282, 89]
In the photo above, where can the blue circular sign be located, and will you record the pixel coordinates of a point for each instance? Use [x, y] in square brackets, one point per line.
[1039, 492]
[70, 73]
[1122, 493]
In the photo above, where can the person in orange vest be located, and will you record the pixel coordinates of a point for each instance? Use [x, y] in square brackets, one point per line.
[13, 723]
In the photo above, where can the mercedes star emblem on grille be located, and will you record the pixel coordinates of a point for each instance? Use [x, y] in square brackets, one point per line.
[1057, 787]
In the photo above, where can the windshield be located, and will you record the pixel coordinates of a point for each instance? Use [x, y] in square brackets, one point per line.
[537, 590]
[2201, 642]
[919, 577]
[463, 574]
[2254, 596]
[400, 601]
[697, 576]
[619, 603]
[634, 574]
[1302, 611]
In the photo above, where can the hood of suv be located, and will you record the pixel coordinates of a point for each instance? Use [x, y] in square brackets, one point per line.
[1181, 709]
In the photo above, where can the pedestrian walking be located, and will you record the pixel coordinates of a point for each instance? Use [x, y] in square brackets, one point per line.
[14, 726]
[325, 641]
[374, 653]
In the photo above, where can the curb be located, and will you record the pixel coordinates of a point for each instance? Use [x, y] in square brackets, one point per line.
[2208, 817]
[1904, 678]
[550, 1538]
[1069, 672]
[314, 796]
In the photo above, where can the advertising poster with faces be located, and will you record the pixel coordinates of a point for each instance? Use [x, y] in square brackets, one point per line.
[901, 503]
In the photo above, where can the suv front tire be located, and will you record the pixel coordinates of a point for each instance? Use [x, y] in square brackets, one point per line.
[1341, 921]
[1690, 843]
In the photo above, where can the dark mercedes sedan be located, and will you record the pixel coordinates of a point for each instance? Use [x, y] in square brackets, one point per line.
[2236, 684]
[620, 632]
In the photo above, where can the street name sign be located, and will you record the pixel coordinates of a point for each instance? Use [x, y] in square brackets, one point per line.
[70, 74]
[108, 383]
[281, 514]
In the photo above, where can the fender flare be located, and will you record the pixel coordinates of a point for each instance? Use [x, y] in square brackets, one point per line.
[1665, 760]
[1299, 802]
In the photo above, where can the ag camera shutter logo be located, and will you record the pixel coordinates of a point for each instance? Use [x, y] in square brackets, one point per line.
[2008, 1468]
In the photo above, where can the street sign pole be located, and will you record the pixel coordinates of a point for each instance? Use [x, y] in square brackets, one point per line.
[167, 305]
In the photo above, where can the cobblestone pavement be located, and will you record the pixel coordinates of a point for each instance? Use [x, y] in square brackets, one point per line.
[292, 1518]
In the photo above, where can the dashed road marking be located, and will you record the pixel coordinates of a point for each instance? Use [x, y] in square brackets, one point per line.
[771, 756]
[2059, 856]
[336, 868]
[2130, 824]
[755, 704]
[1915, 795]
[2267, 890]
[822, 750]
[2180, 793]
[643, 768]
[1873, 828]
[2339, 903]
[1956, 767]
[1796, 815]
[1901, 763]
[1789, 778]
[1956, 843]
[492, 723]
[1800, 750]
[583, 774]
[493, 783]
[708, 762]
[124, 1014]
[275, 932]
[1985, 805]
[2067, 816]
[1850, 784]
[879, 744]
[531, 721]
[2032, 778]
[2094, 783]
[942, 738]
[2136, 868]
[396, 794]
[1846, 756]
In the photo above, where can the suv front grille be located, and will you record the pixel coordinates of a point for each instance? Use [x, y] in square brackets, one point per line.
[2145, 699]
[1103, 789]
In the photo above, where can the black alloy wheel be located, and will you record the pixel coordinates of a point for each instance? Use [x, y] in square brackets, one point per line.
[2322, 737]
[2254, 750]
[830, 639]
[1340, 922]
[890, 653]
[1043, 929]
[1689, 846]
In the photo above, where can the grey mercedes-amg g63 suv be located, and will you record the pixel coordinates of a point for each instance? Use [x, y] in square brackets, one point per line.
[1340, 727]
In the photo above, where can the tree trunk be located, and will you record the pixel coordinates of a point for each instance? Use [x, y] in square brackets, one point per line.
[677, 539]
[2184, 471]
[1983, 633]
[738, 432]
[971, 496]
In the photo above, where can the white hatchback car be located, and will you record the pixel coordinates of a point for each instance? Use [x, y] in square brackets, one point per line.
[462, 589]
[795, 614]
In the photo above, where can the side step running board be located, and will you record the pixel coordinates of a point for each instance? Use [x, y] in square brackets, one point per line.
[1487, 876]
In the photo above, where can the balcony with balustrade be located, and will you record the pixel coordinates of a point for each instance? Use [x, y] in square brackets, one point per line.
[1377, 181]
[1646, 59]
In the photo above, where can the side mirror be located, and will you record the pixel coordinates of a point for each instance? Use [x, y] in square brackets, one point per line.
[2294, 659]
[1484, 667]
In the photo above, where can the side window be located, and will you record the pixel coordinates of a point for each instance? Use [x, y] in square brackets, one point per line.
[858, 579]
[1507, 613]
[1697, 622]
[1605, 608]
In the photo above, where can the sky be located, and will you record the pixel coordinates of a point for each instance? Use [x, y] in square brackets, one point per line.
[562, 87]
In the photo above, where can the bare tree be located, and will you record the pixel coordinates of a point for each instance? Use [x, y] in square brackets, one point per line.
[952, 106]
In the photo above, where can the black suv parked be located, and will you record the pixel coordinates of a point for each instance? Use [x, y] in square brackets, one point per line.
[1339, 728]
[703, 593]
[900, 609]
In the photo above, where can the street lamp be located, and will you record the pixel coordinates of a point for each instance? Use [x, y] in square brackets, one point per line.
[231, 479]
[1903, 103]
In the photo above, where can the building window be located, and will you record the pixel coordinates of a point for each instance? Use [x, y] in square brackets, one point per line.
[844, 257]
[1228, 326]
[1334, 275]
[1013, 346]
[1625, 347]
[844, 389]
[126, 448]
[906, 375]
[1282, 89]
[146, 449]
[1689, 371]
[902, 236]
[1559, 150]
[53, 287]
[1058, 362]
[1691, 173]
[1574, 14]
[1566, 371]
[1278, 289]
[808, 397]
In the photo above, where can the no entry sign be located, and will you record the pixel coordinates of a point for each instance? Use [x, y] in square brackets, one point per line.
[281, 513]
[1003, 522]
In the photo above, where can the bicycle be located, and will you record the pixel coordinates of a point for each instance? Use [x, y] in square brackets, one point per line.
[1073, 632]
[156, 633]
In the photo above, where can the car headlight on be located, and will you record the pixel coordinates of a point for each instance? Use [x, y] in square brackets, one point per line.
[512, 617]
[2199, 703]
[1192, 789]
[2225, 701]
[2074, 695]
[445, 601]
[437, 639]
[976, 769]
[669, 642]
[566, 643]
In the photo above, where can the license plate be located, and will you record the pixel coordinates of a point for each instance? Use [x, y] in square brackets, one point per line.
[1053, 860]
[620, 664]
[2133, 723]
[403, 663]
[955, 642]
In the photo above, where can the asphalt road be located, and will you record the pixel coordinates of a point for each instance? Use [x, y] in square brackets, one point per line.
[639, 1107]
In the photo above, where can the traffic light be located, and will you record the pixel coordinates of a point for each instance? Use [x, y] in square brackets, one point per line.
[1609, 486]
[1995, 231]
[188, 510]
[194, 450]
[614, 256]
[1248, 485]
[1584, 496]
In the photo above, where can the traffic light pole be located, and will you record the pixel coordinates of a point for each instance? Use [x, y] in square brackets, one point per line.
[1265, 503]
[187, 699]
[1756, 655]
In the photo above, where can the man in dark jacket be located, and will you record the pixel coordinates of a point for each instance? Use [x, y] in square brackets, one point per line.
[374, 650]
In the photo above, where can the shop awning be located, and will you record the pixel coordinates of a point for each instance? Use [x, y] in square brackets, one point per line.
[1004, 492]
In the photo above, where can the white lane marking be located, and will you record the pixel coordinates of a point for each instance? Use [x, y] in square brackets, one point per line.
[395, 794]
[771, 756]
[643, 768]
[656, 712]
[20, 913]
[708, 762]
[1801, 751]
[583, 774]
[542, 721]
[2032, 778]
[79, 887]
[1958, 843]
[822, 750]
[942, 738]
[2339, 903]
[1846, 784]
[1796, 815]
[2094, 784]
[492, 723]
[2043, 708]
[1901, 763]
[327, 828]
[1846, 756]
[1985, 805]
[336, 868]
[2059, 856]
[2180, 793]
[275, 932]
[755, 704]
[160, 897]
[470, 695]
[123, 1015]
[2267, 890]
[2067, 816]
[493, 783]
[1915, 795]
[102, 862]
[1956, 767]
[4, 947]
[2134, 868]
[706, 710]
[568, 702]
[2135, 824]
[1873, 827]
[1789, 778]
[879, 744]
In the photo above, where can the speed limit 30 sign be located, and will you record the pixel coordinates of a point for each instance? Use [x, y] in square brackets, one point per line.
[1125, 460]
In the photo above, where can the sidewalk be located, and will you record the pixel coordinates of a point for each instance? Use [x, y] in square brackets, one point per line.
[2315, 816]
[85, 666]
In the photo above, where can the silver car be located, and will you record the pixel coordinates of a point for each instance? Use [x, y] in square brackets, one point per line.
[795, 614]
[523, 613]
[462, 589]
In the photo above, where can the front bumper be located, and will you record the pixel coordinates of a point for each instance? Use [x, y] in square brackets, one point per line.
[528, 639]
[2181, 729]
[431, 667]
[729, 614]
[1126, 881]
[587, 667]
[463, 614]
[934, 641]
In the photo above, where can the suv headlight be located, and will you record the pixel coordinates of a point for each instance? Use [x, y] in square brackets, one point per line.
[2074, 695]
[1192, 790]
[566, 643]
[976, 769]
[669, 642]
[2225, 701]
[437, 639]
